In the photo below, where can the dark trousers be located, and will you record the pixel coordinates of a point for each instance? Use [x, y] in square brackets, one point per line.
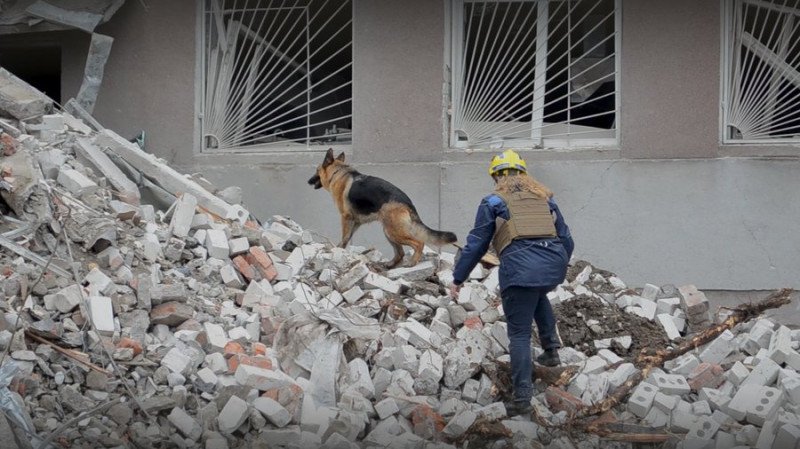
[523, 305]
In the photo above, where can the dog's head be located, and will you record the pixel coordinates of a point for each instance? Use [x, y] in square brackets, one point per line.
[323, 175]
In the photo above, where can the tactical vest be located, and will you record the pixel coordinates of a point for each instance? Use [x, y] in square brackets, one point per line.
[529, 218]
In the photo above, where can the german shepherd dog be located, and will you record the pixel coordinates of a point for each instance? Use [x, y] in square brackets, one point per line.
[363, 199]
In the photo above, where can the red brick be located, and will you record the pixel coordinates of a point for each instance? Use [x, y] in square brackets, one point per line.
[425, 416]
[242, 359]
[259, 259]
[561, 400]
[243, 267]
[9, 144]
[259, 349]
[233, 347]
[474, 323]
[190, 325]
[290, 397]
[126, 342]
[694, 301]
[171, 313]
[706, 375]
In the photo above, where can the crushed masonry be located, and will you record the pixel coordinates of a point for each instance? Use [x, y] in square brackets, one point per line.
[198, 326]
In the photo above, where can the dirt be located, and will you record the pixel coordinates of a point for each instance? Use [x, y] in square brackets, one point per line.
[573, 315]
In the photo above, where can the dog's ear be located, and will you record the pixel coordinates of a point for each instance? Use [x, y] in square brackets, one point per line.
[340, 157]
[328, 158]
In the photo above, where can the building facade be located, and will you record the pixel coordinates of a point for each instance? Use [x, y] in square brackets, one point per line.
[666, 128]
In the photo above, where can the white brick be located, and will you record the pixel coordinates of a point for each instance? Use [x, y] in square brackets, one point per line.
[182, 215]
[665, 402]
[176, 361]
[656, 418]
[377, 281]
[755, 403]
[682, 365]
[781, 345]
[99, 282]
[217, 244]
[641, 399]
[459, 424]
[492, 412]
[716, 351]
[682, 418]
[473, 298]
[594, 365]
[238, 246]
[102, 313]
[420, 336]
[668, 305]
[759, 337]
[185, 424]
[76, 182]
[791, 386]
[717, 399]
[406, 357]
[418, 272]
[668, 324]
[67, 298]
[648, 308]
[261, 379]
[206, 380]
[230, 277]
[232, 415]
[386, 408]
[354, 294]
[273, 411]
[737, 374]
[596, 389]
[609, 356]
[650, 291]
[764, 374]
[670, 383]
[788, 436]
[352, 277]
[703, 429]
[216, 336]
[429, 373]
[621, 374]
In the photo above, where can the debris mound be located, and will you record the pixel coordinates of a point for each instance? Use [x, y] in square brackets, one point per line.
[145, 308]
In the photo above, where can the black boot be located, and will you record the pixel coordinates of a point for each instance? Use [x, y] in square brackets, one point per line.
[549, 358]
[518, 408]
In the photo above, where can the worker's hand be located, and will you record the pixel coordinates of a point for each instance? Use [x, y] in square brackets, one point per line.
[454, 289]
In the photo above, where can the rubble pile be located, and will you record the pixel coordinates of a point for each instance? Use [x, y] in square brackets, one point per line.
[125, 325]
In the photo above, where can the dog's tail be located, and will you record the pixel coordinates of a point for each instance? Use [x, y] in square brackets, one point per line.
[431, 236]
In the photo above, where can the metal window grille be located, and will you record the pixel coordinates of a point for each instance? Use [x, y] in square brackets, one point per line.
[278, 74]
[535, 73]
[761, 70]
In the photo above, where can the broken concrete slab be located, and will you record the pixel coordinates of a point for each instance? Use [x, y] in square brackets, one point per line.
[99, 49]
[19, 99]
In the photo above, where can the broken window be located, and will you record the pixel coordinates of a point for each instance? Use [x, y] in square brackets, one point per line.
[534, 73]
[38, 65]
[278, 74]
[761, 71]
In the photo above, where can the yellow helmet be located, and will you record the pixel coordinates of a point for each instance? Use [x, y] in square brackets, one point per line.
[508, 160]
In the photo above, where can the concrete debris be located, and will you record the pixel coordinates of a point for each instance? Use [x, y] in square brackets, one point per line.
[207, 329]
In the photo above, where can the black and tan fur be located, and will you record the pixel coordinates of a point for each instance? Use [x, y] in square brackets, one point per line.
[362, 199]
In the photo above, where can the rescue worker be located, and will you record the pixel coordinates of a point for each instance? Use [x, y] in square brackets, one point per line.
[532, 240]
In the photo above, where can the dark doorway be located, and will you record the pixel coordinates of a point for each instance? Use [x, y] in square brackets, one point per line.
[39, 66]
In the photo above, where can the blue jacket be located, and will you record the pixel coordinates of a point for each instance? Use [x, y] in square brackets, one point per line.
[525, 262]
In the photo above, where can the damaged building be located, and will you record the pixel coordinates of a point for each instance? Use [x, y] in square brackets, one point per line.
[169, 279]
[676, 121]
